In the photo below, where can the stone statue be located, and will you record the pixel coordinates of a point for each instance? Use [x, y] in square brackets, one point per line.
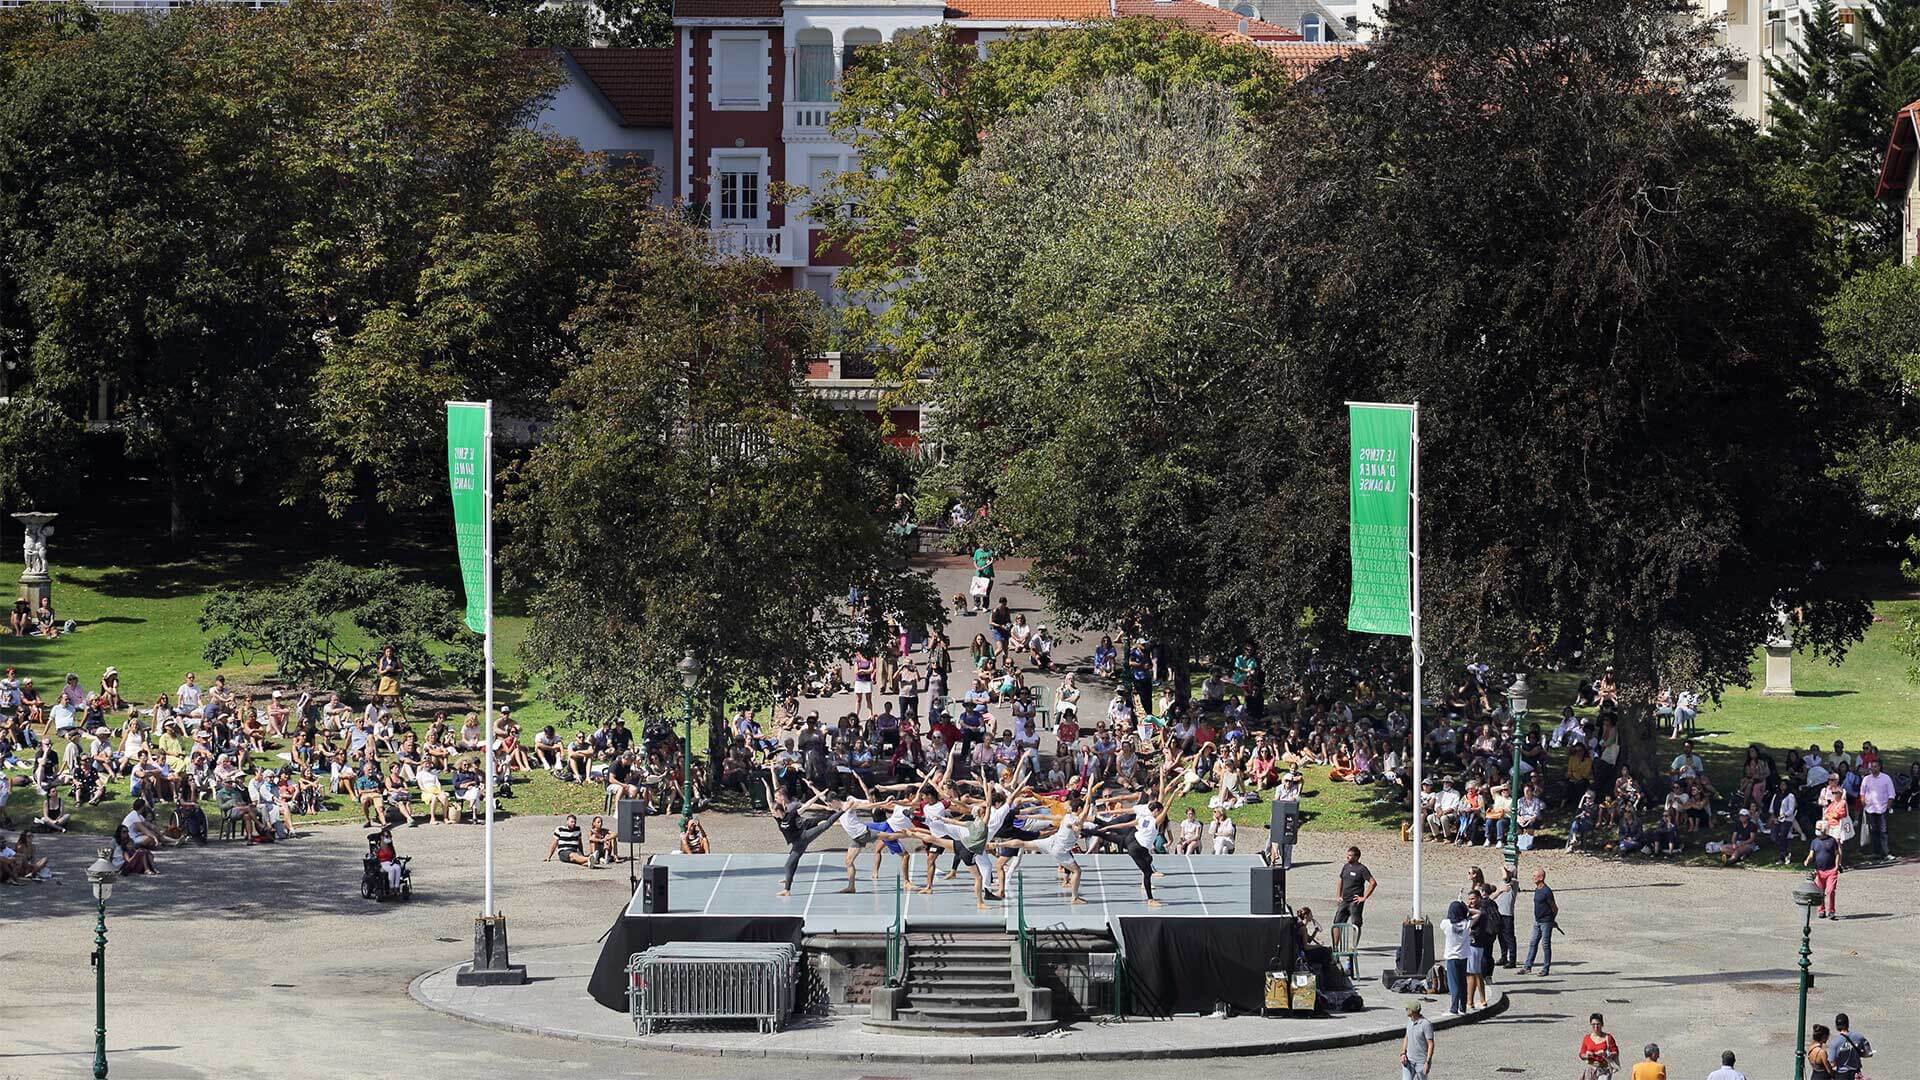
[1782, 635]
[35, 548]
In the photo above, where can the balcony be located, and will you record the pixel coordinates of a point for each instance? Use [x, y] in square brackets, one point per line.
[807, 121]
[783, 246]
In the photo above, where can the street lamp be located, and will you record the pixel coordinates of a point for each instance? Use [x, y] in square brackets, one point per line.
[100, 875]
[1808, 896]
[689, 679]
[1516, 710]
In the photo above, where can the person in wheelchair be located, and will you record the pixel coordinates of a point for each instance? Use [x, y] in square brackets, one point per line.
[384, 872]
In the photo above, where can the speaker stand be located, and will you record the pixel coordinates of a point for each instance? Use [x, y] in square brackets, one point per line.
[633, 879]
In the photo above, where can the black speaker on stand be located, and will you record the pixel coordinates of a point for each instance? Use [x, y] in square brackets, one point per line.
[1269, 891]
[630, 828]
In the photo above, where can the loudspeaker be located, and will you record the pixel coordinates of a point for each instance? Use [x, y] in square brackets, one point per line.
[1416, 948]
[630, 824]
[653, 889]
[1269, 894]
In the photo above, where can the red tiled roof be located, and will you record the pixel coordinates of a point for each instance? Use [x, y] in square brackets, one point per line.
[638, 83]
[1205, 18]
[1029, 10]
[726, 9]
[1900, 147]
[1297, 58]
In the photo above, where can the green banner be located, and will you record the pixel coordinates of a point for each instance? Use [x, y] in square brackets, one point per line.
[466, 476]
[1380, 600]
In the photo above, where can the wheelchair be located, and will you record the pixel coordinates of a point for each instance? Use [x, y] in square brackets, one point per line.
[373, 880]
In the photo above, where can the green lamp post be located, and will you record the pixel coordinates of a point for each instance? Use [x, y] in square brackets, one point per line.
[1516, 711]
[1808, 896]
[101, 876]
[689, 679]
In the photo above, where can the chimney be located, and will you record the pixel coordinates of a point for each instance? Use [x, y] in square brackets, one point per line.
[1244, 27]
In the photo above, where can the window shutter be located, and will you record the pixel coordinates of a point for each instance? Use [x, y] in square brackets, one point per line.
[742, 71]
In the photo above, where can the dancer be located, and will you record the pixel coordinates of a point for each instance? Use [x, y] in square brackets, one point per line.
[1061, 844]
[1138, 838]
[798, 832]
[860, 829]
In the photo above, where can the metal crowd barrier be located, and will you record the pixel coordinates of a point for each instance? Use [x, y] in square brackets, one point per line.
[703, 980]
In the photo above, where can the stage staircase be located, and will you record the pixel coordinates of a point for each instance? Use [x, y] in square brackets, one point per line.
[958, 982]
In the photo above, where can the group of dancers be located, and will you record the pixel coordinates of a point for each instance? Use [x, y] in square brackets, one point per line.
[983, 824]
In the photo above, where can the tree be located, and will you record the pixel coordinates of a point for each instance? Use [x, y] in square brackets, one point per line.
[916, 108]
[690, 497]
[329, 626]
[1539, 220]
[284, 237]
[1093, 347]
[1823, 122]
[39, 442]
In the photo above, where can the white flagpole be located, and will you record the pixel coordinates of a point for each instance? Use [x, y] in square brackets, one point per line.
[1419, 733]
[486, 501]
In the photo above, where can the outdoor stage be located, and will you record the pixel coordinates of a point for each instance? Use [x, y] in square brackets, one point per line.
[748, 886]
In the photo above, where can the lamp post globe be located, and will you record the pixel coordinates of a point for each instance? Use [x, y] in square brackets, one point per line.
[101, 876]
[1807, 896]
[689, 668]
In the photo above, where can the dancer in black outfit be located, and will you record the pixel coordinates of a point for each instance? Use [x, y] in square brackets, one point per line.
[794, 829]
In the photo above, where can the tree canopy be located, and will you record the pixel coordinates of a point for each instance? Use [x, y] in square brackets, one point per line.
[1094, 350]
[283, 237]
[916, 110]
[691, 498]
[1539, 221]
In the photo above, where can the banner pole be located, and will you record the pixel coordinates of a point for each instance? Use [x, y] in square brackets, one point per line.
[486, 480]
[1419, 732]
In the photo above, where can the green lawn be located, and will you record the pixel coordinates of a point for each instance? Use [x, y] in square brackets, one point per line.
[145, 622]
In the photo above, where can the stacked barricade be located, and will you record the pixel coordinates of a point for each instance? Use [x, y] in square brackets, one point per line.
[711, 980]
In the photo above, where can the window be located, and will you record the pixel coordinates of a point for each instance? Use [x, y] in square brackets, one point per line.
[813, 66]
[821, 171]
[737, 193]
[629, 159]
[1736, 11]
[1245, 11]
[1777, 36]
[862, 48]
[739, 70]
[1310, 28]
[987, 38]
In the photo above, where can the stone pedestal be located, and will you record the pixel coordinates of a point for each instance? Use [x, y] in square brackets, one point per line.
[36, 582]
[490, 966]
[1779, 670]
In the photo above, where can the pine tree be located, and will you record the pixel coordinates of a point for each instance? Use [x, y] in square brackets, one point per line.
[1823, 124]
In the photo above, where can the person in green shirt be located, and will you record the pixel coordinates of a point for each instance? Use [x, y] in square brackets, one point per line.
[982, 591]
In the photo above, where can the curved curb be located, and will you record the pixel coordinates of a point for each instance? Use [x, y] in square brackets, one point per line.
[1298, 1044]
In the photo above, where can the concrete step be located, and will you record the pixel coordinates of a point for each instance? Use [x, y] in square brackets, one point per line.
[949, 981]
[956, 968]
[962, 1015]
[936, 998]
[949, 1028]
[980, 953]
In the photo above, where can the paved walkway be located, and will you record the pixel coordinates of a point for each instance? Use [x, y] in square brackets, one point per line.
[554, 1002]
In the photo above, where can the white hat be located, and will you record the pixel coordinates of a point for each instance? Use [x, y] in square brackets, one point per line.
[276, 693]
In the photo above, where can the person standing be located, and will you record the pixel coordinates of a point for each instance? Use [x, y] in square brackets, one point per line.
[982, 590]
[1726, 1071]
[1546, 910]
[1598, 1050]
[1650, 1069]
[1846, 1050]
[1503, 903]
[1454, 930]
[1416, 1046]
[1824, 856]
[1356, 888]
[1876, 798]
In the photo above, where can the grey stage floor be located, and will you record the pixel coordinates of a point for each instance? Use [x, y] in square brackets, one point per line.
[749, 884]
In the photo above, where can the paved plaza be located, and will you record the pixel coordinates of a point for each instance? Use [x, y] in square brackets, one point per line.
[246, 962]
